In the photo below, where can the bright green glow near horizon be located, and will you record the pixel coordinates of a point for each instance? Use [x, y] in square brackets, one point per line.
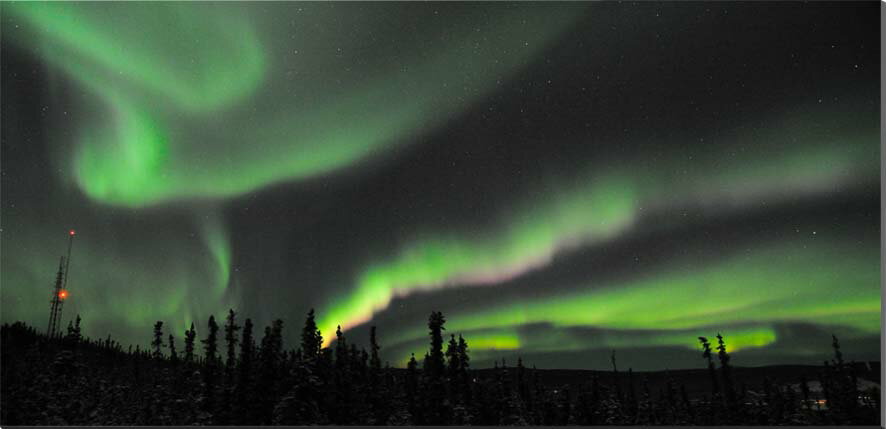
[738, 339]
[818, 282]
[489, 344]
[246, 100]
[500, 340]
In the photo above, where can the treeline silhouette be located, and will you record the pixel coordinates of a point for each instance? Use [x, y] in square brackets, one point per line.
[240, 380]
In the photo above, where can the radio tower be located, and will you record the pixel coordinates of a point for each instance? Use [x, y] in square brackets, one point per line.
[60, 292]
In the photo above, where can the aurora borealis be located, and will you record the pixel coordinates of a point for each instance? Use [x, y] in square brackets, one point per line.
[559, 179]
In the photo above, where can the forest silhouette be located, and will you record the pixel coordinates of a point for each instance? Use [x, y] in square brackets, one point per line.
[232, 378]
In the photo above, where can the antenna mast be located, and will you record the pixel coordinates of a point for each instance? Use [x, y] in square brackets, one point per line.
[55, 302]
[60, 292]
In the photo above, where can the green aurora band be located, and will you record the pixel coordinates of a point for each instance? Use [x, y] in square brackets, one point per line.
[822, 281]
[214, 73]
[602, 206]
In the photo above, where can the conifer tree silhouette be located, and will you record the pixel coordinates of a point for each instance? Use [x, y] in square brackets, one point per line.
[157, 344]
[210, 368]
[75, 330]
[374, 360]
[464, 362]
[412, 387]
[706, 353]
[243, 414]
[434, 390]
[210, 344]
[190, 338]
[452, 357]
[231, 339]
[522, 383]
[726, 371]
[341, 411]
[311, 339]
[434, 363]
[270, 357]
[173, 355]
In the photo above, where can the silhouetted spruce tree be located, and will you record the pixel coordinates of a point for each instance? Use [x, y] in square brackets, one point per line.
[726, 371]
[210, 370]
[843, 385]
[522, 383]
[324, 367]
[452, 356]
[412, 387]
[458, 363]
[463, 358]
[157, 344]
[311, 339]
[225, 413]
[231, 339]
[379, 394]
[341, 350]
[838, 355]
[343, 382]
[190, 338]
[434, 363]
[464, 361]
[374, 360]
[706, 346]
[300, 405]
[210, 344]
[270, 356]
[434, 391]
[136, 366]
[173, 356]
[359, 369]
[74, 335]
[77, 333]
[243, 413]
[452, 370]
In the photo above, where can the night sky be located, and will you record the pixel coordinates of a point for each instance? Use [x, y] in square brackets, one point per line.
[559, 179]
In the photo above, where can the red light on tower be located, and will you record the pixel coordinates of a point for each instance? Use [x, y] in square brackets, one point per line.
[62, 294]
[72, 232]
